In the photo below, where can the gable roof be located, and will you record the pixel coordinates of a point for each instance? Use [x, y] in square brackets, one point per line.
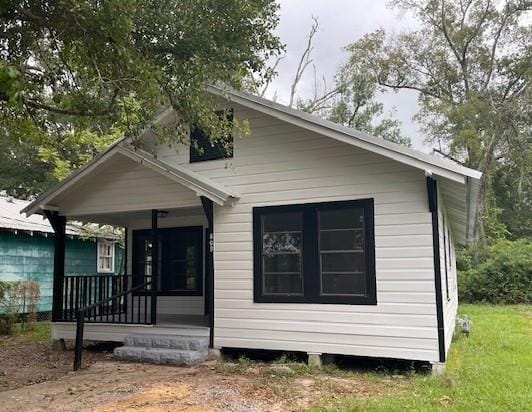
[460, 185]
[194, 181]
[348, 135]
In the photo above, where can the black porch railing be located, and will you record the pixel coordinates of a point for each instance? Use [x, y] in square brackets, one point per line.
[87, 313]
[106, 299]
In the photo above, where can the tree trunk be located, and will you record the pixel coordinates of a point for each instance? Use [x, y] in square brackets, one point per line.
[485, 167]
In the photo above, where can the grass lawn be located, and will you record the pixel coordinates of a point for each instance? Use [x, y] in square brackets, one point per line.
[38, 332]
[489, 371]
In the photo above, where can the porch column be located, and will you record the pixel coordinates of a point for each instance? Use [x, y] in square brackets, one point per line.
[208, 208]
[125, 279]
[58, 223]
[154, 265]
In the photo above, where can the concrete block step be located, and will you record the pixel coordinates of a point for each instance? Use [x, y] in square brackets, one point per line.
[160, 355]
[194, 343]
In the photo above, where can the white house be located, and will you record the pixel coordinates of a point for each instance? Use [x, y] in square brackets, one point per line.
[323, 239]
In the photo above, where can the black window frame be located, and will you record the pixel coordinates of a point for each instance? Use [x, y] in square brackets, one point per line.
[311, 272]
[145, 234]
[210, 152]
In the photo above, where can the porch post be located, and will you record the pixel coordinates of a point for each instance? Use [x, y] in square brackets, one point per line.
[125, 279]
[154, 265]
[208, 208]
[58, 223]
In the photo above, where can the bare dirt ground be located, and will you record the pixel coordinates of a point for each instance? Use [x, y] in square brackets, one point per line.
[28, 362]
[114, 386]
[35, 378]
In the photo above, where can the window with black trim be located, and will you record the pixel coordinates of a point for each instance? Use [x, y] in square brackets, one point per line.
[315, 253]
[203, 149]
[180, 260]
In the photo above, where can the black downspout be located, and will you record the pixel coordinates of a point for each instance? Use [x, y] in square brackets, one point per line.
[208, 208]
[154, 265]
[432, 190]
[58, 223]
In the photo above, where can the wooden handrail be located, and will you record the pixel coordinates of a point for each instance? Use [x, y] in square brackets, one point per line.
[80, 320]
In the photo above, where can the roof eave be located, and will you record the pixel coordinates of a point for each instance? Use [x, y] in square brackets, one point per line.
[199, 184]
[350, 136]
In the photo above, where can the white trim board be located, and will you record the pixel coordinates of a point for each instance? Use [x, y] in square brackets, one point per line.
[192, 180]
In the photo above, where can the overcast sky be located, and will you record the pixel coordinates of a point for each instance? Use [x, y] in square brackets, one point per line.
[341, 22]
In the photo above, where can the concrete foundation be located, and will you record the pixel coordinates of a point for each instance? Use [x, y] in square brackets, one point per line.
[59, 345]
[214, 354]
[314, 360]
[437, 368]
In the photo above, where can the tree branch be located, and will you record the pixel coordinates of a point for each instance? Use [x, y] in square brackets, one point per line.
[269, 81]
[67, 112]
[495, 44]
[304, 61]
[409, 87]
[453, 48]
[448, 156]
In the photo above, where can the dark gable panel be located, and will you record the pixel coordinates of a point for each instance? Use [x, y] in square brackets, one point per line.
[201, 149]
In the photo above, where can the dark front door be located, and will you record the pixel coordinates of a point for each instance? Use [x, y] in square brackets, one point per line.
[180, 259]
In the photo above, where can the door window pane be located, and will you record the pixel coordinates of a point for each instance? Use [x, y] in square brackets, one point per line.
[179, 260]
[282, 253]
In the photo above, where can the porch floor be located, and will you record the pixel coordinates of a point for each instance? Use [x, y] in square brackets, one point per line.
[176, 325]
[181, 320]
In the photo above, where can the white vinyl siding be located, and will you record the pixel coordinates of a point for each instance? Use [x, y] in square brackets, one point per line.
[125, 185]
[282, 164]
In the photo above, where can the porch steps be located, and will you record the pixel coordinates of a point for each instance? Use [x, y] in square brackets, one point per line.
[164, 349]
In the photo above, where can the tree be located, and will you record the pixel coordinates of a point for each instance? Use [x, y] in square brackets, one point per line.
[22, 173]
[351, 102]
[470, 61]
[355, 105]
[78, 66]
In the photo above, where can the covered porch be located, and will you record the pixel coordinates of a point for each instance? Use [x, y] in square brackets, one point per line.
[167, 283]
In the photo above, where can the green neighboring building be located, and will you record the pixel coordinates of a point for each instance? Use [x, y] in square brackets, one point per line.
[27, 250]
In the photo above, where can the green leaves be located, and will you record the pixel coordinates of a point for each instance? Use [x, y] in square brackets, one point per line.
[86, 72]
[11, 84]
[503, 276]
[470, 62]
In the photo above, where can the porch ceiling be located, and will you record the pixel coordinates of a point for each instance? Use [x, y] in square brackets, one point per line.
[127, 218]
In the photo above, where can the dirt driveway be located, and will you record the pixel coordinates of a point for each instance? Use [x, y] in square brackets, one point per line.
[113, 386]
[35, 378]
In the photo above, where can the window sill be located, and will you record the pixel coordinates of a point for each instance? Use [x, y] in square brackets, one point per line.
[210, 160]
[328, 300]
